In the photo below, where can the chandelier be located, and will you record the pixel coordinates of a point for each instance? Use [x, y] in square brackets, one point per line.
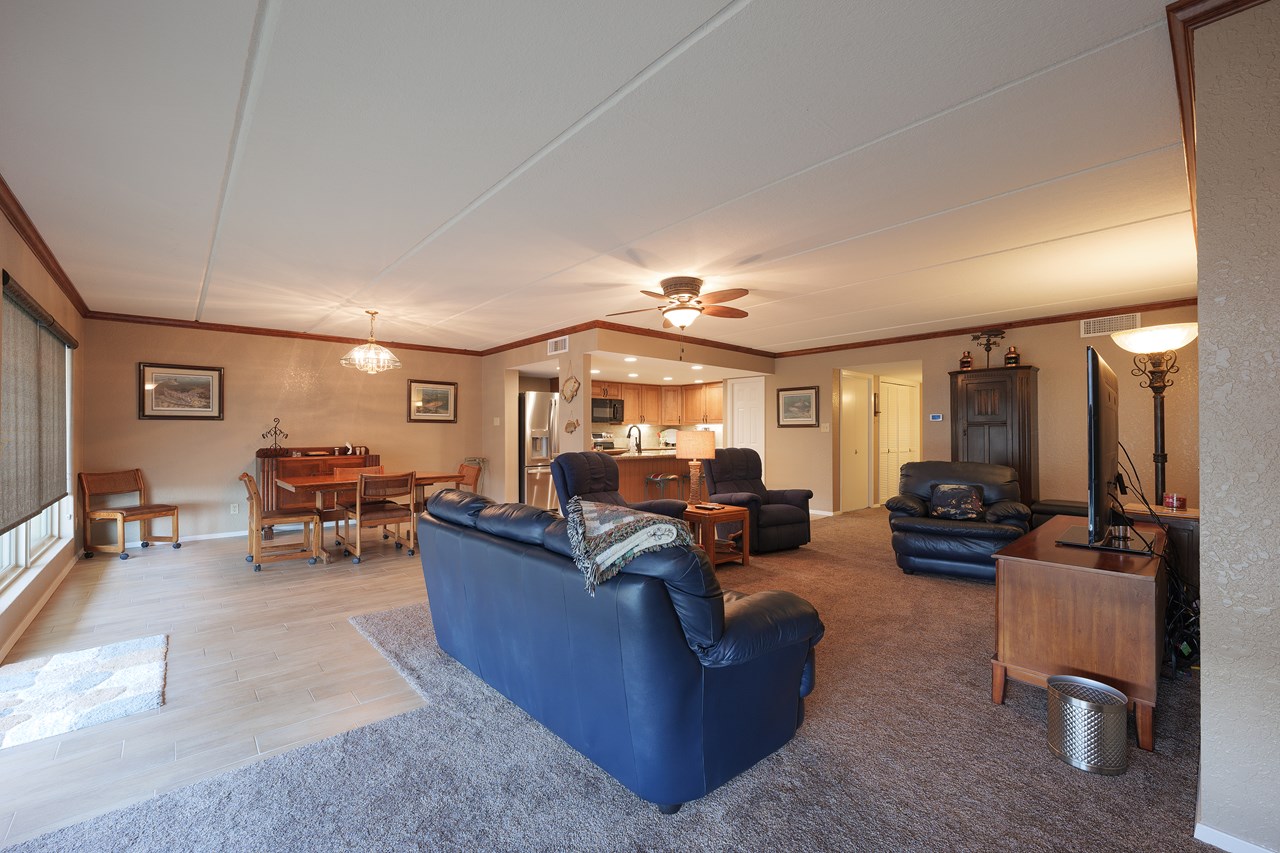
[371, 357]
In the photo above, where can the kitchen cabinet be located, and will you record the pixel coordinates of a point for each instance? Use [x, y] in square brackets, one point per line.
[670, 405]
[651, 405]
[631, 409]
[611, 390]
[702, 404]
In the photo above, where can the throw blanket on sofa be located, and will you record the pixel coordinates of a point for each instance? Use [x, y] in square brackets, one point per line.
[605, 537]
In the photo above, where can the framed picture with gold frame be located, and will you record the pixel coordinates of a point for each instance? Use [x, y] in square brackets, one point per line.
[798, 407]
[433, 402]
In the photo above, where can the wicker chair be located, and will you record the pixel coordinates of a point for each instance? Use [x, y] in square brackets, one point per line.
[375, 506]
[123, 483]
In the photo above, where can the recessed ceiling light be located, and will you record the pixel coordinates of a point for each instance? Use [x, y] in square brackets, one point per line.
[630, 358]
[595, 370]
[697, 367]
[666, 379]
[697, 382]
[632, 375]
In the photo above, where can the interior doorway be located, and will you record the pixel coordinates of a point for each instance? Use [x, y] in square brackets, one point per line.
[744, 413]
[876, 428]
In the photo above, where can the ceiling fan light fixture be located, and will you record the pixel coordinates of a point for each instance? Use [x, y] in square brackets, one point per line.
[370, 357]
[681, 316]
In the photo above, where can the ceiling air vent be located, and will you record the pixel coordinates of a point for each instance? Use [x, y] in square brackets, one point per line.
[555, 346]
[1096, 327]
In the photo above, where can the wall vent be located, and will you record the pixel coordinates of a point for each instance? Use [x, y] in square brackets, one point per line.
[1096, 327]
[555, 346]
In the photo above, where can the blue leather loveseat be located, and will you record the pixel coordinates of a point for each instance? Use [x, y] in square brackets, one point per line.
[665, 681]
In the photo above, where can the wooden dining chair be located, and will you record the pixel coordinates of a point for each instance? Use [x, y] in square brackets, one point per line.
[375, 505]
[468, 476]
[114, 483]
[262, 550]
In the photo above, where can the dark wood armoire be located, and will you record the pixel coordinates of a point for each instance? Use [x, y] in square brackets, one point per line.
[994, 419]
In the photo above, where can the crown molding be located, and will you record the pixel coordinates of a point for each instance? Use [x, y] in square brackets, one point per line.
[21, 222]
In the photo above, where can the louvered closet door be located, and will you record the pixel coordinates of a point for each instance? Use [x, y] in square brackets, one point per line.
[899, 434]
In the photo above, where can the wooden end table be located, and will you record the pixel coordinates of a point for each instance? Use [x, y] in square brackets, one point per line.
[704, 521]
[1075, 611]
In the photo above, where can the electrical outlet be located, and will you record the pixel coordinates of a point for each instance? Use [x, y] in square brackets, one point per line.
[235, 509]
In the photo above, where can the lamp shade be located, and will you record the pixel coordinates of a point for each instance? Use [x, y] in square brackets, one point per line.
[695, 444]
[1156, 338]
[681, 315]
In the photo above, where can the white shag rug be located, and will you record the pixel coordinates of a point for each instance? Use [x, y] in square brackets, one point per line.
[55, 694]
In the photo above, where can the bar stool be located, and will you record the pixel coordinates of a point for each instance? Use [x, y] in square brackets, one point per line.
[660, 482]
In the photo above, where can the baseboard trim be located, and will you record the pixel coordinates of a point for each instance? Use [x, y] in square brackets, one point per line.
[1230, 843]
[820, 513]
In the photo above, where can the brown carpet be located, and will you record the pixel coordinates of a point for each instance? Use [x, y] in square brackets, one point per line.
[901, 750]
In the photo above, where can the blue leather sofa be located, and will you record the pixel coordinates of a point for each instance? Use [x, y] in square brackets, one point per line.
[665, 681]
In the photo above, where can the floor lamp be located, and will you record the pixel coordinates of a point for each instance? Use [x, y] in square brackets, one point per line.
[1155, 360]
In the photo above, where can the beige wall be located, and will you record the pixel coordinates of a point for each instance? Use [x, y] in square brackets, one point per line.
[194, 464]
[1237, 76]
[803, 457]
[21, 600]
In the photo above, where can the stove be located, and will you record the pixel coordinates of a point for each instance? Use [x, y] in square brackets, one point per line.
[601, 441]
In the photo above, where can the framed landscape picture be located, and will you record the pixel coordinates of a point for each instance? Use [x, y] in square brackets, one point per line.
[179, 392]
[798, 407]
[433, 402]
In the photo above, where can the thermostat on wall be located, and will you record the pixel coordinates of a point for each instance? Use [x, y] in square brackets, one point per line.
[936, 418]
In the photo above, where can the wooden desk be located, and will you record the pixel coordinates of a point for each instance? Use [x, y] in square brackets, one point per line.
[1075, 611]
[704, 521]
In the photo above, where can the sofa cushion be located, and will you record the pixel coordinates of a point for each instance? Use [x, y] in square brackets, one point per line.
[520, 522]
[953, 500]
[773, 515]
[457, 506]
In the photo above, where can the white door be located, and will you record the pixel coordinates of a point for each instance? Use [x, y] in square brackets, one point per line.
[745, 411]
[856, 449]
[899, 432]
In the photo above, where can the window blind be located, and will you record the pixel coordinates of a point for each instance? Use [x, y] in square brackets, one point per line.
[33, 408]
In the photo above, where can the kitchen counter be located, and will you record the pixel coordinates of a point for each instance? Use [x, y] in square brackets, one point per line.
[646, 453]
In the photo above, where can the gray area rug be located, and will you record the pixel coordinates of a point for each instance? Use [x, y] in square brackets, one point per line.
[901, 750]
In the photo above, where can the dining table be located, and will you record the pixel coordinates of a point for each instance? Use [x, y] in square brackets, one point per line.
[340, 482]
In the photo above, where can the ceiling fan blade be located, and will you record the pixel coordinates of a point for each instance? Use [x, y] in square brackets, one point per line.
[637, 311]
[723, 296]
[723, 311]
[661, 296]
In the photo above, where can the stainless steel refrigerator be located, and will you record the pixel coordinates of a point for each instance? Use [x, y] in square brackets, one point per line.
[539, 442]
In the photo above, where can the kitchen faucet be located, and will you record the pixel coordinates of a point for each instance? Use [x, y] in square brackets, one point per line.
[638, 433]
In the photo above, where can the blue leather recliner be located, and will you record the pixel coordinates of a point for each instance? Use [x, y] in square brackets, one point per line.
[779, 518]
[593, 476]
[668, 683]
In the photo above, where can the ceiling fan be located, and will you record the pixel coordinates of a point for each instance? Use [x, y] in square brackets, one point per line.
[686, 302]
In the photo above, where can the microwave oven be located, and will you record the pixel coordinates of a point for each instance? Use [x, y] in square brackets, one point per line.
[606, 410]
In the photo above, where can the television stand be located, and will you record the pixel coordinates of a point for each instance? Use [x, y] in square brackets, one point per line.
[1078, 537]
[1081, 611]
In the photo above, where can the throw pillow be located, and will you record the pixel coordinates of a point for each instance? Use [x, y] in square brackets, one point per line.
[949, 500]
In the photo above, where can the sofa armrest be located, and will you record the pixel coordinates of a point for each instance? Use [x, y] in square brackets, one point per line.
[747, 499]
[669, 507]
[907, 505]
[755, 625]
[1013, 513]
[795, 497]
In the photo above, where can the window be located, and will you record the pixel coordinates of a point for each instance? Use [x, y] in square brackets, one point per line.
[35, 362]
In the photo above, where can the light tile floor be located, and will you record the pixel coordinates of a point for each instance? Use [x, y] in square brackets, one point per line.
[259, 663]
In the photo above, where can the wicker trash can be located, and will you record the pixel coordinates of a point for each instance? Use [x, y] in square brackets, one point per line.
[1088, 724]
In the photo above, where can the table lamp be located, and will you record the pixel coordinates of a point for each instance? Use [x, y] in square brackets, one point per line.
[695, 445]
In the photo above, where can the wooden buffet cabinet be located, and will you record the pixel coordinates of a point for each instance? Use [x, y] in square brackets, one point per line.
[276, 462]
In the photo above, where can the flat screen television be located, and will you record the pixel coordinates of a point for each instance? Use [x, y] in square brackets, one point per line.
[1102, 398]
